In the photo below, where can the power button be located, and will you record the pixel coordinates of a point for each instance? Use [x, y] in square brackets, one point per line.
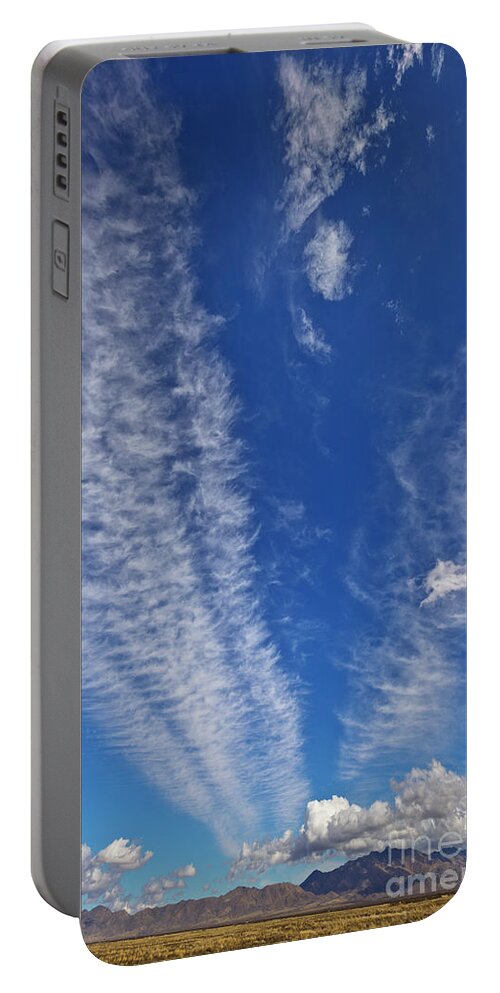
[60, 258]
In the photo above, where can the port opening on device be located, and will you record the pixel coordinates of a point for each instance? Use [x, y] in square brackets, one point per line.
[61, 151]
[146, 53]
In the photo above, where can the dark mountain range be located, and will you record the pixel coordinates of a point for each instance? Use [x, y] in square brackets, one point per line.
[368, 876]
[358, 881]
[245, 903]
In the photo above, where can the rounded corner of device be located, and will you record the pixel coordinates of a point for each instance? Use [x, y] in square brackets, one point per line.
[44, 56]
[48, 894]
[457, 56]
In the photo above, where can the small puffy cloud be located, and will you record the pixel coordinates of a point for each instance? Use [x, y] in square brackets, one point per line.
[123, 854]
[102, 877]
[403, 57]
[397, 310]
[311, 339]
[327, 260]
[185, 871]
[444, 578]
[258, 857]
[86, 855]
[428, 811]
[102, 873]
[430, 134]
[154, 893]
[96, 880]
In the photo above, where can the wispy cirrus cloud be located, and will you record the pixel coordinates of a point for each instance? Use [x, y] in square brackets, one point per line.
[327, 130]
[403, 57]
[180, 673]
[406, 669]
[437, 61]
[445, 578]
[428, 811]
[292, 517]
[311, 338]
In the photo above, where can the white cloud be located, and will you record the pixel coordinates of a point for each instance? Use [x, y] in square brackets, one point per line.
[406, 667]
[179, 669]
[327, 131]
[437, 61]
[156, 891]
[185, 871]
[430, 134]
[124, 854]
[397, 310]
[444, 578]
[102, 872]
[428, 811]
[289, 512]
[311, 339]
[403, 57]
[327, 260]
[292, 517]
[96, 880]
[102, 877]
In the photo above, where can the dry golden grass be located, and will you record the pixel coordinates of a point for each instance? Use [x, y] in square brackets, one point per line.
[137, 951]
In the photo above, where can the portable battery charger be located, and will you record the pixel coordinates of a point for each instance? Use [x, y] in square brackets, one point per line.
[248, 486]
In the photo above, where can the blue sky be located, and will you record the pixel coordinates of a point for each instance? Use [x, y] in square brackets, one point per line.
[273, 464]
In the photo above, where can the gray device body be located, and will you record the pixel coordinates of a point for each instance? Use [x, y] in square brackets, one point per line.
[58, 75]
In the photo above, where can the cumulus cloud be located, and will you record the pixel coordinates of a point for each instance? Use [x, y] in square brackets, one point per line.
[427, 811]
[102, 877]
[155, 892]
[185, 871]
[403, 57]
[327, 131]
[180, 672]
[310, 338]
[97, 881]
[124, 854]
[444, 578]
[327, 260]
[430, 134]
[102, 872]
